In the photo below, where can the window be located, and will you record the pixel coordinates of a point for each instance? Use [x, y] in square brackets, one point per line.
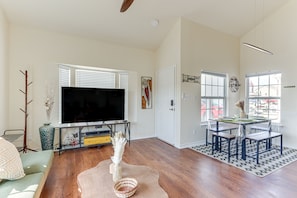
[264, 95]
[64, 77]
[97, 79]
[79, 76]
[213, 95]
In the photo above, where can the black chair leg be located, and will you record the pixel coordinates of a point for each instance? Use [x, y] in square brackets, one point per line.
[258, 152]
[206, 137]
[229, 150]
[281, 144]
[236, 149]
[212, 144]
[220, 144]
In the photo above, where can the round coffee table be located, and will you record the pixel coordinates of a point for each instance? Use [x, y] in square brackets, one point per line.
[97, 181]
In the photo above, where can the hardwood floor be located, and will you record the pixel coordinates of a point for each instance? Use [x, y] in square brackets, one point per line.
[183, 173]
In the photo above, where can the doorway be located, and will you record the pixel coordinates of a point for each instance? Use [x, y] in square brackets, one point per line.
[165, 105]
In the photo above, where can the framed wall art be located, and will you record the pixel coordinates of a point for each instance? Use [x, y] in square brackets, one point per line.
[146, 92]
[234, 84]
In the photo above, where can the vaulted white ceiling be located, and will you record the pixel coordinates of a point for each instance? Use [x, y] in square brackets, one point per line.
[102, 19]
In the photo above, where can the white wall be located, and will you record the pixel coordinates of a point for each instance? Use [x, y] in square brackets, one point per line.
[39, 52]
[3, 72]
[192, 48]
[203, 49]
[278, 34]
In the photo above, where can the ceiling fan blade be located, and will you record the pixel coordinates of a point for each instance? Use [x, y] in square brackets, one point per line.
[126, 4]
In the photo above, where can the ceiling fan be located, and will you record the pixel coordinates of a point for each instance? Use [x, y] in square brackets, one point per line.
[126, 4]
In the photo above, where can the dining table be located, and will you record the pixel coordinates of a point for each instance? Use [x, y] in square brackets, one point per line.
[242, 124]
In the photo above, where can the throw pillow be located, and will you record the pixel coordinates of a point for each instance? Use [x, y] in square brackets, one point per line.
[11, 166]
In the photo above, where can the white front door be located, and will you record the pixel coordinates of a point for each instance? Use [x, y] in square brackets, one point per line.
[165, 105]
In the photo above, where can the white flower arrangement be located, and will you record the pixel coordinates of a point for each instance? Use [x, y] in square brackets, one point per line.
[49, 102]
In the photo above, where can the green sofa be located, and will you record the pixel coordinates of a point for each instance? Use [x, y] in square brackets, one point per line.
[36, 167]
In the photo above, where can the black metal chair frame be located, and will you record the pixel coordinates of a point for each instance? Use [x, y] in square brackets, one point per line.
[218, 136]
[219, 128]
[267, 137]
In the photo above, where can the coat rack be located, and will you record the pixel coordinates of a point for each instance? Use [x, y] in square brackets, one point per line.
[25, 110]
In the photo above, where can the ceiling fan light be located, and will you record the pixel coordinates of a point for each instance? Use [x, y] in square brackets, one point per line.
[258, 48]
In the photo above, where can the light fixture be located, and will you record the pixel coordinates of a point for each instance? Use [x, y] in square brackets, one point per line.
[155, 22]
[252, 46]
[258, 48]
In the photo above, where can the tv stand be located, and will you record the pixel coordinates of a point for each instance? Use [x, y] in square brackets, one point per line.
[88, 139]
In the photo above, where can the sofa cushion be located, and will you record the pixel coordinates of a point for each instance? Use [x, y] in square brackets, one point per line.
[24, 187]
[36, 161]
[11, 166]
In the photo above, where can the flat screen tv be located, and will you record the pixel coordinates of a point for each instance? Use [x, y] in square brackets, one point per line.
[92, 104]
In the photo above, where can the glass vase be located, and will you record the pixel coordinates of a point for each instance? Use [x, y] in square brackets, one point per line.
[242, 114]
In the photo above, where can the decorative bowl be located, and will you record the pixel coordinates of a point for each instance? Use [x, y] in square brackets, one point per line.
[125, 187]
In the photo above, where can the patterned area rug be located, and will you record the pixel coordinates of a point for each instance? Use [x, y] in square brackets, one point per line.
[269, 161]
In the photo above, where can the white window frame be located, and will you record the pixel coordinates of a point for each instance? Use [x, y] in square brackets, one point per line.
[214, 87]
[268, 108]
